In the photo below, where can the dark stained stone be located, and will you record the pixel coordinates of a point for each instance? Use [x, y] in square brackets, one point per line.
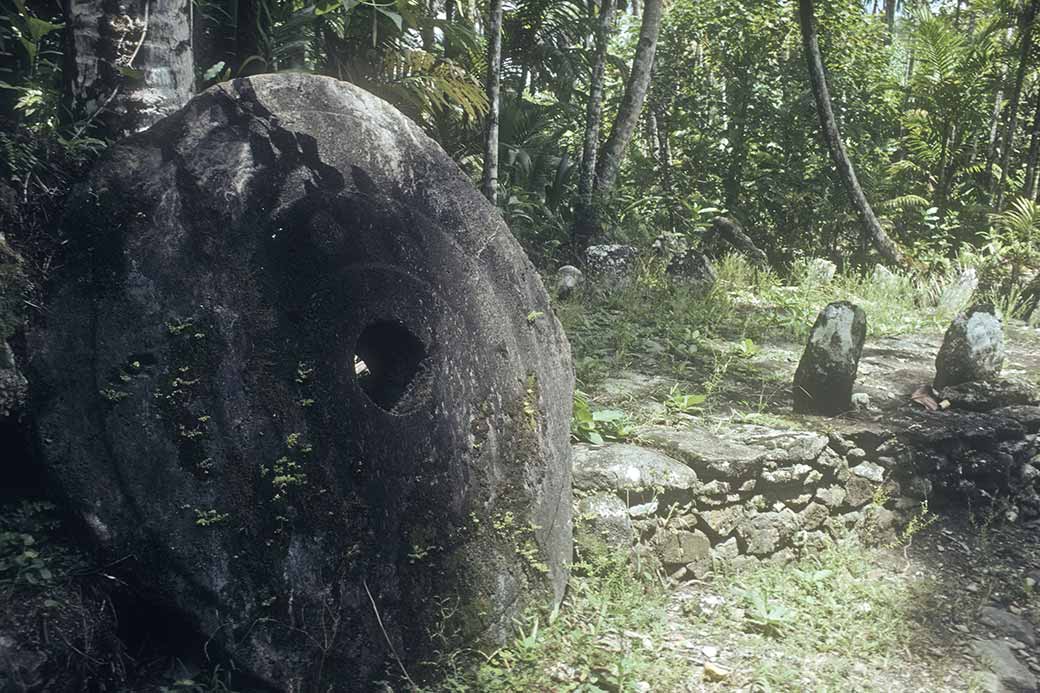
[288, 378]
[827, 370]
[972, 349]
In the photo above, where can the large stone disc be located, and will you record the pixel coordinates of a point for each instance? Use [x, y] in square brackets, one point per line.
[297, 377]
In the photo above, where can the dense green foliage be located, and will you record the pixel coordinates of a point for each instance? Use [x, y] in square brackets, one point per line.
[729, 126]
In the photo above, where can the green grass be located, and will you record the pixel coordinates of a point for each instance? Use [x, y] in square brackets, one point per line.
[673, 330]
[814, 625]
[603, 638]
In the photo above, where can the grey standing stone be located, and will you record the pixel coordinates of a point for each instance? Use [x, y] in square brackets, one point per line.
[973, 348]
[288, 368]
[569, 280]
[611, 267]
[694, 268]
[827, 370]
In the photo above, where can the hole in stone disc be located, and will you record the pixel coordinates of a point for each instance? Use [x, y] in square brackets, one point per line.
[390, 366]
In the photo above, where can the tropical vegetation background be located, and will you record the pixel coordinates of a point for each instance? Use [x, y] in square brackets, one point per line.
[587, 120]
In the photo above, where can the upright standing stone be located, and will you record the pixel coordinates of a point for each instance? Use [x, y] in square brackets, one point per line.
[569, 280]
[289, 380]
[973, 348]
[611, 266]
[827, 371]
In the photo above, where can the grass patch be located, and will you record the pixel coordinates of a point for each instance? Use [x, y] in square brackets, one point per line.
[604, 638]
[700, 340]
[818, 624]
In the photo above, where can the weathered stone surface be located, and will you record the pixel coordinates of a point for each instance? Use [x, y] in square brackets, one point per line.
[683, 546]
[723, 521]
[831, 496]
[694, 268]
[726, 551]
[869, 471]
[827, 369]
[624, 467]
[781, 445]
[973, 348]
[611, 266]
[761, 535]
[1028, 416]
[984, 396]
[288, 363]
[858, 491]
[814, 515]
[13, 385]
[1008, 624]
[708, 454]
[999, 657]
[603, 522]
[569, 280]
[786, 475]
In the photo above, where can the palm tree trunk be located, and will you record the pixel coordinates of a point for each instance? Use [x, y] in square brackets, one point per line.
[1026, 39]
[1034, 151]
[632, 102]
[130, 65]
[871, 226]
[489, 184]
[585, 222]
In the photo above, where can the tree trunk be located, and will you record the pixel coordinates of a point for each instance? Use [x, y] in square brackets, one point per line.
[738, 103]
[585, 222]
[129, 63]
[1026, 39]
[1034, 151]
[489, 186]
[871, 227]
[890, 20]
[664, 159]
[632, 102]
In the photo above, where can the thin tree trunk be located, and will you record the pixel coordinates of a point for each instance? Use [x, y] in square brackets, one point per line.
[1034, 150]
[1026, 39]
[489, 185]
[736, 134]
[664, 160]
[994, 125]
[131, 63]
[585, 222]
[890, 20]
[871, 226]
[632, 102]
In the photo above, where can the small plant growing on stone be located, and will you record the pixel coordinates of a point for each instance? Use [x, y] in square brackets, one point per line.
[921, 520]
[209, 518]
[679, 402]
[597, 426]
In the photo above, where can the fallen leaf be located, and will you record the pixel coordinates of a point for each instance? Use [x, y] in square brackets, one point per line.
[925, 396]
